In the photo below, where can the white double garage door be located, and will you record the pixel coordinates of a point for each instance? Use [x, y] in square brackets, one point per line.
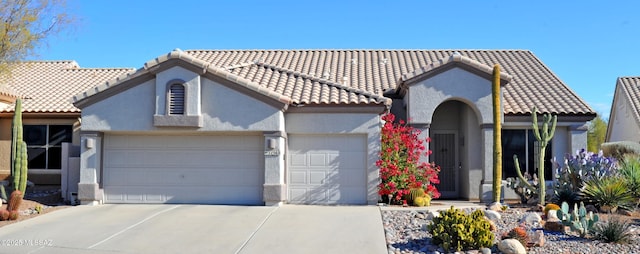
[228, 169]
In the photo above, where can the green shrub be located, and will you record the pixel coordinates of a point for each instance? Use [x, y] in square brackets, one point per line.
[619, 149]
[456, 230]
[613, 231]
[630, 171]
[608, 193]
[568, 195]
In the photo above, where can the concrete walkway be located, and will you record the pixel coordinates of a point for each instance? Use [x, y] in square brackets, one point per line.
[199, 229]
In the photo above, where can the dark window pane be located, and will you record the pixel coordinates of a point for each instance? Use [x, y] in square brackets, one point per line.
[59, 134]
[55, 154]
[533, 157]
[513, 143]
[35, 135]
[37, 158]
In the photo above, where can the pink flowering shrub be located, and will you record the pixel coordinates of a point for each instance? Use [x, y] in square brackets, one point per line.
[399, 162]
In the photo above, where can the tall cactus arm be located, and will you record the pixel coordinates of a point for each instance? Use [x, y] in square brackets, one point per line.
[534, 124]
[519, 173]
[497, 135]
[22, 167]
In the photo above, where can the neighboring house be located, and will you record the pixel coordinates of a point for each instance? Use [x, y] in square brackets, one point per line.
[624, 120]
[303, 126]
[49, 117]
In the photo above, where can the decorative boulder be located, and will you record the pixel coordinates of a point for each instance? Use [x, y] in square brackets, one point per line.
[432, 214]
[554, 226]
[538, 238]
[552, 215]
[511, 246]
[492, 215]
[531, 219]
[495, 206]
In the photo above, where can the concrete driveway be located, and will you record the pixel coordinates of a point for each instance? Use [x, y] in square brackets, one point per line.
[199, 229]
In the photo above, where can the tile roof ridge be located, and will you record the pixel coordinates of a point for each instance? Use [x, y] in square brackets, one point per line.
[102, 68]
[357, 49]
[454, 57]
[379, 98]
[180, 55]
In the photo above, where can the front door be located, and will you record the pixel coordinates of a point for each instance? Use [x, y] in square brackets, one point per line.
[444, 146]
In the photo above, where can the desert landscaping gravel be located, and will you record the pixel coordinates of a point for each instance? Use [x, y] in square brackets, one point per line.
[406, 232]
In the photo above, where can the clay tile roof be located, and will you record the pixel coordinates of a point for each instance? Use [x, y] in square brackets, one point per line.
[304, 88]
[631, 89]
[46, 86]
[319, 76]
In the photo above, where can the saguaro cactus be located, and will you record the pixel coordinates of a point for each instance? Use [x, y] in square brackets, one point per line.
[497, 134]
[543, 136]
[18, 151]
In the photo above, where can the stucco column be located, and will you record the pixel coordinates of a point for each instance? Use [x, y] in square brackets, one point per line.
[275, 190]
[577, 137]
[89, 191]
[486, 186]
[424, 134]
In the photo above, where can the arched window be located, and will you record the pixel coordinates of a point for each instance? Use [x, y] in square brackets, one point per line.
[176, 99]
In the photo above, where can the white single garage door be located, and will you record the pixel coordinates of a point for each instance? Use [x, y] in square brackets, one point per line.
[327, 169]
[183, 169]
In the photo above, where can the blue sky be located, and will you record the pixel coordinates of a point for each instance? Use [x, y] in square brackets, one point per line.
[588, 44]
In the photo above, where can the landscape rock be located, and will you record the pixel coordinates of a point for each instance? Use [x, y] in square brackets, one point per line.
[485, 250]
[432, 214]
[511, 246]
[552, 215]
[554, 226]
[538, 238]
[492, 215]
[495, 206]
[531, 219]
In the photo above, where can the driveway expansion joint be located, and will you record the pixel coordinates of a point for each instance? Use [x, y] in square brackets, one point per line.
[256, 230]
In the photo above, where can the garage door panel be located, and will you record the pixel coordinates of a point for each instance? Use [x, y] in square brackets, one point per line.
[184, 169]
[327, 169]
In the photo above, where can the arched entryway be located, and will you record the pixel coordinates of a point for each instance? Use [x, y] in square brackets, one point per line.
[456, 144]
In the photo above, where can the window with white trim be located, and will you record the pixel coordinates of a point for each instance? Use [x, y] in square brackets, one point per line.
[176, 99]
[44, 144]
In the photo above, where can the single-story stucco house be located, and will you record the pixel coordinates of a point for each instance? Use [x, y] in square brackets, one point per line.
[49, 117]
[624, 119]
[303, 126]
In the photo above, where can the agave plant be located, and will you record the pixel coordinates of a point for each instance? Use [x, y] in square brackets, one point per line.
[613, 231]
[609, 193]
[630, 171]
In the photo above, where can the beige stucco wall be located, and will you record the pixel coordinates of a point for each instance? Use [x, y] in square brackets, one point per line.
[624, 126]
